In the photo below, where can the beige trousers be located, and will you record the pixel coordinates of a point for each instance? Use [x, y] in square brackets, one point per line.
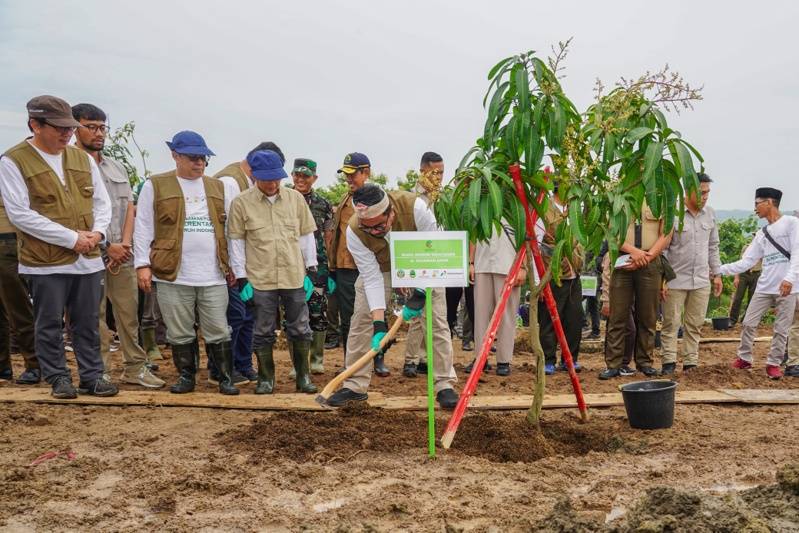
[793, 340]
[692, 305]
[360, 340]
[487, 291]
[123, 291]
[415, 347]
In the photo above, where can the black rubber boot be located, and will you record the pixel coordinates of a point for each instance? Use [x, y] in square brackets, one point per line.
[300, 359]
[183, 357]
[221, 353]
[266, 370]
[380, 366]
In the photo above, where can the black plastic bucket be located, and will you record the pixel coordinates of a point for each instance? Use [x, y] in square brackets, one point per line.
[721, 323]
[649, 404]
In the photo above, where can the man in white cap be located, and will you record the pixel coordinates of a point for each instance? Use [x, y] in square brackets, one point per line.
[376, 214]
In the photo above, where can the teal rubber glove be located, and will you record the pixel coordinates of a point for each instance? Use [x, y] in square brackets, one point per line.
[331, 285]
[245, 290]
[307, 286]
[413, 307]
[380, 329]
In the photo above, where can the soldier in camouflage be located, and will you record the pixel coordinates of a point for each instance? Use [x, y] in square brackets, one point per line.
[304, 176]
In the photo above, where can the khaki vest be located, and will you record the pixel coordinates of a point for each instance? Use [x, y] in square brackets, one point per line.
[169, 215]
[650, 229]
[69, 204]
[552, 219]
[402, 205]
[337, 236]
[234, 171]
[5, 224]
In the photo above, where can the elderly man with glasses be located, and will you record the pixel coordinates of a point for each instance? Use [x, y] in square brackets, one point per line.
[181, 245]
[55, 199]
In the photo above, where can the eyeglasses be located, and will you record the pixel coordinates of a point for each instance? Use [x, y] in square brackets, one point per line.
[195, 158]
[437, 172]
[377, 228]
[760, 201]
[61, 129]
[94, 128]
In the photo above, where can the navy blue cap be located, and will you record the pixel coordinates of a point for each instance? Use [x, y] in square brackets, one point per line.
[266, 165]
[354, 162]
[189, 143]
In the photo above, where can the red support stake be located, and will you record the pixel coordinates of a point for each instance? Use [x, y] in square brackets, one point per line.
[549, 300]
[485, 347]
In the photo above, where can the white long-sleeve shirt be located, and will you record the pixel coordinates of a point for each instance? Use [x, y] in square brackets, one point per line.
[17, 202]
[776, 267]
[198, 261]
[365, 259]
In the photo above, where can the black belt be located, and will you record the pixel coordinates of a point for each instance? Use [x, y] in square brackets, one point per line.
[8, 236]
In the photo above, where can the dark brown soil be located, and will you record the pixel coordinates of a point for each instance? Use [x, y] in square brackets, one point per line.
[358, 428]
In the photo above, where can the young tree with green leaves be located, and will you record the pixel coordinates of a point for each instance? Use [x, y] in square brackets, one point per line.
[608, 160]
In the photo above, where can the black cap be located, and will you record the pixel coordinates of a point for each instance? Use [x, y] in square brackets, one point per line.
[768, 192]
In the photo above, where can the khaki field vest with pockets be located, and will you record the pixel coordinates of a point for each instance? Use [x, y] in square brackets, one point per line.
[69, 204]
[169, 215]
[402, 205]
[234, 171]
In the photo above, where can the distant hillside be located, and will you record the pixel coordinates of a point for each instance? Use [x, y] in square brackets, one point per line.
[724, 214]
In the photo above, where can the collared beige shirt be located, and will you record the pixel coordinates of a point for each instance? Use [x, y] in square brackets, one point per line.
[271, 234]
[694, 251]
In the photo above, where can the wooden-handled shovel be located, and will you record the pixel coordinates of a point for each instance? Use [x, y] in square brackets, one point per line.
[322, 397]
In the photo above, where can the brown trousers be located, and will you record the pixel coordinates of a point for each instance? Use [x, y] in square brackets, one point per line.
[640, 288]
[123, 291]
[18, 311]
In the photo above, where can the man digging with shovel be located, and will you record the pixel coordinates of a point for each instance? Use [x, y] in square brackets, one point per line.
[376, 214]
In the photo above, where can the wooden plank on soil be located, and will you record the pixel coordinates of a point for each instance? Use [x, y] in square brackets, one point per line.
[306, 402]
[711, 340]
[764, 396]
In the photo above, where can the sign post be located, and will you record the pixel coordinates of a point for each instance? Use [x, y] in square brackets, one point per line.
[427, 260]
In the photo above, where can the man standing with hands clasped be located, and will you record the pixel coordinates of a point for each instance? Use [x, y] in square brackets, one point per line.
[777, 244]
[54, 195]
[273, 258]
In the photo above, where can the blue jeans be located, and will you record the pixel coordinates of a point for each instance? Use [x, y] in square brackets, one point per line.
[241, 322]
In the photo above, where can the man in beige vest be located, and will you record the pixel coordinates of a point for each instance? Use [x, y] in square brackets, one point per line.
[120, 276]
[180, 244]
[55, 197]
[273, 257]
[638, 281]
[376, 214]
[343, 270]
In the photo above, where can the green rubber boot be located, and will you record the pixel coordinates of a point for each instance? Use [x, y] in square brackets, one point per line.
[266, 370]
[292, 372]
[221, 353]
[300, 360]
[317, 352]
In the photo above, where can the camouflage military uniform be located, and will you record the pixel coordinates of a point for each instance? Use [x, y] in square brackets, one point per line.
[322, 213]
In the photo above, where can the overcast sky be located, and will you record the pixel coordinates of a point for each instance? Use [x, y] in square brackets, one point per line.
[395, 79]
